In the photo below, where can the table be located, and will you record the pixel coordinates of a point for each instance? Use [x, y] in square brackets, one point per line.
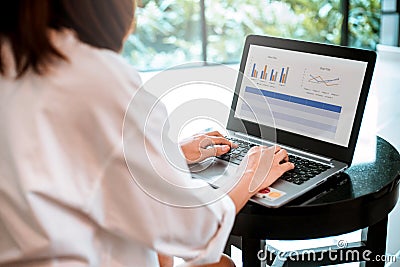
[360, 198]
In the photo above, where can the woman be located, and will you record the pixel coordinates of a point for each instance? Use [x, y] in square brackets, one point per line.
[67, 196]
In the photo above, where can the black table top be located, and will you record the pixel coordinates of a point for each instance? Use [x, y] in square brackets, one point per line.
[359, 197]
[376, 164]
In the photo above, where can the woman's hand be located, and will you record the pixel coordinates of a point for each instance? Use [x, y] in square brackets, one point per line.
[263, 171]
[261, 167]
[199, 147]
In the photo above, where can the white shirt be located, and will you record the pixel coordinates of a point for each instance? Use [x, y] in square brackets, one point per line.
[67, 197]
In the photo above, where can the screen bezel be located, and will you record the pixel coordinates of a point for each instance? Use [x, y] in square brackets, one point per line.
[311, 145]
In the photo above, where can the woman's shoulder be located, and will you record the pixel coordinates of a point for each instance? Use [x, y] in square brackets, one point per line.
[93, 67]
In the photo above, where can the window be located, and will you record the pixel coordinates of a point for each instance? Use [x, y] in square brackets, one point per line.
[170, 32]
[167, 33]
[390, 28]
[364, 23]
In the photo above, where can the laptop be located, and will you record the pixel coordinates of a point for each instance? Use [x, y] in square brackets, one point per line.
[306, 97]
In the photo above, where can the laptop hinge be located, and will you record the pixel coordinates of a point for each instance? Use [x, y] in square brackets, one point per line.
[307, 154]
[290, 149]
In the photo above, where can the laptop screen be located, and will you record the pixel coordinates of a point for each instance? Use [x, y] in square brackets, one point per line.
[311, 95]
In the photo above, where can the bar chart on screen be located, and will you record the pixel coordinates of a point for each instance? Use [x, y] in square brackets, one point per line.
[269, 74]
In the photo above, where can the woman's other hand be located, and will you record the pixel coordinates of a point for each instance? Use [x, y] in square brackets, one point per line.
[199, 147]
[266, 165]
[261, 167]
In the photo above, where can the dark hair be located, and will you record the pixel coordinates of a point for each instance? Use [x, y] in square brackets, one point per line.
[25, 25]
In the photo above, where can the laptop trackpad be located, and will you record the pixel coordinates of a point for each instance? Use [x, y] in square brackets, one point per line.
[212, 170]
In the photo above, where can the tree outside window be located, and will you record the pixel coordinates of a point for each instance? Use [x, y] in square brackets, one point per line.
[170, 32]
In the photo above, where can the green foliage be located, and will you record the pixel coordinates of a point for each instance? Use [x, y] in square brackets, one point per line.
[169, 31]
[364, 23]
[230, 21]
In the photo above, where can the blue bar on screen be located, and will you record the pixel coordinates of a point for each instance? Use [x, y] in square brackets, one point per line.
[294, 99]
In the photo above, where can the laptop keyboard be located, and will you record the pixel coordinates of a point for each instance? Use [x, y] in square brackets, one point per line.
[304, 169]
